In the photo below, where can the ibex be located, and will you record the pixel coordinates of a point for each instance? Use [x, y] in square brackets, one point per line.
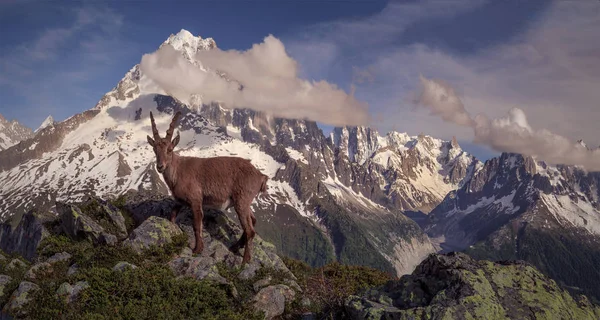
[218, 182]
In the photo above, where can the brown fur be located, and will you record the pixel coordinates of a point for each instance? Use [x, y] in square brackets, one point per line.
[218, 182]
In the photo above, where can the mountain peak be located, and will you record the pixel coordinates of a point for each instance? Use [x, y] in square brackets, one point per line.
[188, 43]
[11, 132]
[47, 122]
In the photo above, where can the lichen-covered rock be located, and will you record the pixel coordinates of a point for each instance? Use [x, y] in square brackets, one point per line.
[16, 264]
[271, 300]
[153, 231]
[78, 225]
[262, 283]
[46, 266]
[123, 265]
[19, 298]
[455, 286]
[71, 292]
[197, 267]
[4, 280]
[116, 218]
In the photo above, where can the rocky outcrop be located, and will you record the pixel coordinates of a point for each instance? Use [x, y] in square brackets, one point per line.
[153, 231]
[23, 236]
[455, 286]
[79, 222]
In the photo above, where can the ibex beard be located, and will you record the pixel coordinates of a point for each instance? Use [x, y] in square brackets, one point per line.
[218, 182]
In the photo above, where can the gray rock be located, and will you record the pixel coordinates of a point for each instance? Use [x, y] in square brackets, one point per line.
[20, 297]
[249, 271]
[25, 238]
[117, 219]
[121, 266]
[271, 300]
[58, 257]
[2, 258]
[4, 280]
[153, 231]
[262, 283]
[199, 268]
[46, 267]
[108, 239]
[77, 225]
[73, 269]
[71, 292]
[15, 264]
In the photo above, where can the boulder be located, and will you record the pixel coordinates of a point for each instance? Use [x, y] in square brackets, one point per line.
[123, 265]
[23, 236]
[153, 231]
[46, 266]
[70, 293]
[19, 298]
[4, 280]
[78, 225]
[271, 300]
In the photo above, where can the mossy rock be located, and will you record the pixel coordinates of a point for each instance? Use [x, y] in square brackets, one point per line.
[155, 231]
[456, 286]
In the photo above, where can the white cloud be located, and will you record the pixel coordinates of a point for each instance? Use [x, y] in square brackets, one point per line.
[550, 71]
[270, 81]
[511, 133]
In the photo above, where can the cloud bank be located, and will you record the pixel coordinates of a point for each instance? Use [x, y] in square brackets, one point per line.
[511, 133]
[549, 66]
[269, 83]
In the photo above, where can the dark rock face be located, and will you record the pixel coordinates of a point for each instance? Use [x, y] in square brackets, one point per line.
[456, 286]
[25, 238]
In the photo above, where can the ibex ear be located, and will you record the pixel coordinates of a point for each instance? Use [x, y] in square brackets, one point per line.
[176, 140]
[150, 141]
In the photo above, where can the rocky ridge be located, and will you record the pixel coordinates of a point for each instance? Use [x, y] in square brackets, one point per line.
[455, 286]
[12, 132]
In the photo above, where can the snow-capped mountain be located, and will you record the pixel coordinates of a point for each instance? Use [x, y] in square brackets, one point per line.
[49, 121]
[407, 173]
[12, 132]
[515, 207]
[310, 213]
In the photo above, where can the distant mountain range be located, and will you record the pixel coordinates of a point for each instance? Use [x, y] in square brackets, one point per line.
[347, 196]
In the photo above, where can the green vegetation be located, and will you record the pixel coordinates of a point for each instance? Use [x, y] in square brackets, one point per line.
[294, 236]
[149, 291]
[454, 286]
[567, 258]
[326, 288]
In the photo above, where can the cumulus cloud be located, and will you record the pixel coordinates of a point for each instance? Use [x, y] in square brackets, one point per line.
[442, 100]
[265, 79]
[549, 67]
[511, 133]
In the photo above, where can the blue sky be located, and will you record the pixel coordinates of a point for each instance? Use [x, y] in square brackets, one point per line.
[60, 57]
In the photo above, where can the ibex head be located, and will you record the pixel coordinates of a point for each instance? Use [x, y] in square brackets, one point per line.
[163, 147]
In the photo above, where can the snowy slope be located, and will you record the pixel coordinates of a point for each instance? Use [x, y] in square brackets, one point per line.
[513, 188]
[12, 132]
[412, 172]
[46, 123]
